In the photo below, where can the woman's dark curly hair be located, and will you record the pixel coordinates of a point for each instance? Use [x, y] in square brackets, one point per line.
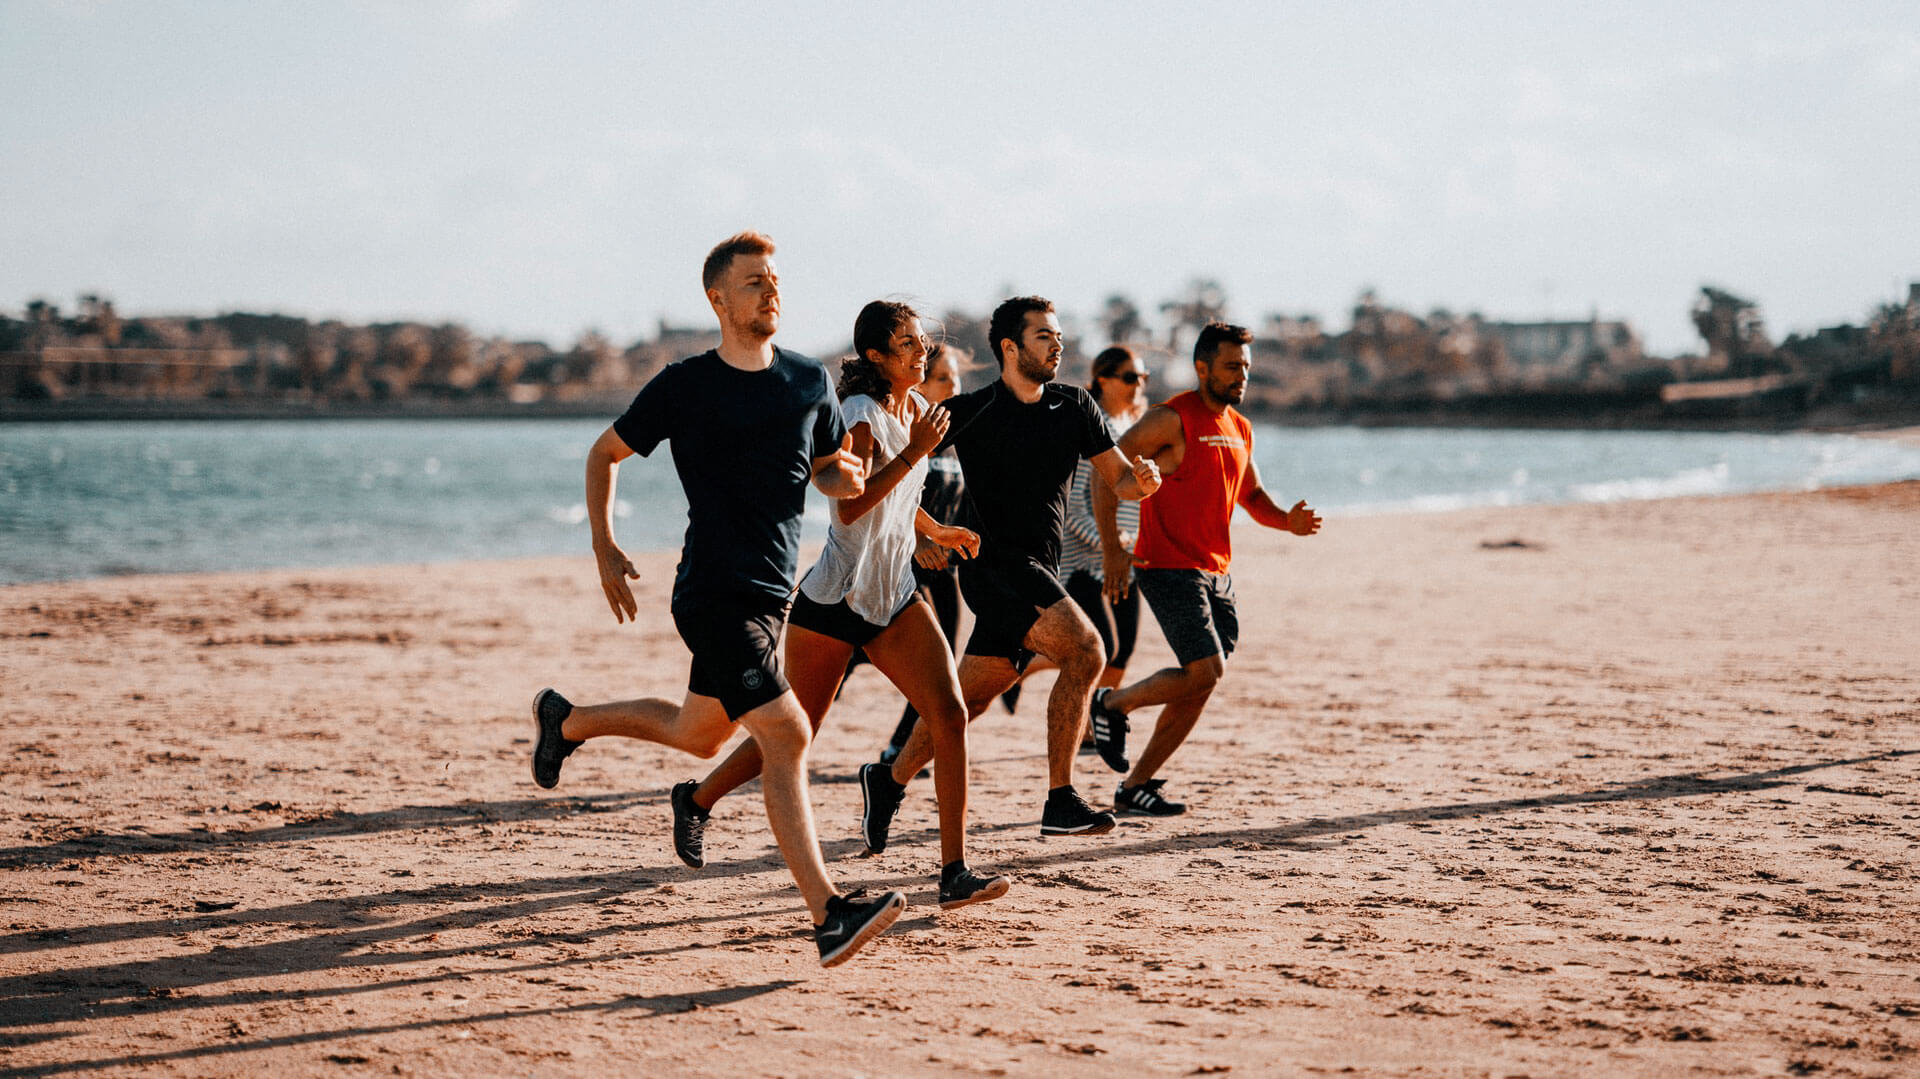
[873, 330]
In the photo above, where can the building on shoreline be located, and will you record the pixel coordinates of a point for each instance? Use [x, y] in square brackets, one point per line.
[1389, 360]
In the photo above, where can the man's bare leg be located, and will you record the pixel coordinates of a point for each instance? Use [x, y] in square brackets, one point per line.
[781, 730]
[1183, 693]
[698, 725]
[1177, 720]
[1064, 635]
[1168, 684]
[814, 665]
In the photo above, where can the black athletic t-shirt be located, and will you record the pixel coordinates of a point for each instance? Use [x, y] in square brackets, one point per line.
[743, 443]
[1019, 459]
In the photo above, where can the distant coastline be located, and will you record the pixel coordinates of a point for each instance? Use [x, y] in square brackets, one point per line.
[1531, 411]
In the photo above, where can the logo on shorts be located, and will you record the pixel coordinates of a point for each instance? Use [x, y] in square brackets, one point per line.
[751, 678]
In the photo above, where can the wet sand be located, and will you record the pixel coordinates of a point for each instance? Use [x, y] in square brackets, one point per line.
[1585, 790]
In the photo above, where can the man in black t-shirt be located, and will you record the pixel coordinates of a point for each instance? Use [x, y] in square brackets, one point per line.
[1019, 439]
[749, 425]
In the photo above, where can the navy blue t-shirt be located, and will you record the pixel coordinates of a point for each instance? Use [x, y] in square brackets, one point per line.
[1018, 460]
[743, 443]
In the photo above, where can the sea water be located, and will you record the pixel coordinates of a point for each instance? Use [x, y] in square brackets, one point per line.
[95, 499]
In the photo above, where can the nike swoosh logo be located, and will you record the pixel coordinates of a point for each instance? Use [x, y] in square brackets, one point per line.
[1053, 406]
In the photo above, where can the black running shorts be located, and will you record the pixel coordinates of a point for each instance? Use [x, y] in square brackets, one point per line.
[735, 641]
[838, 620]
[1006, 597]
[1195, 610]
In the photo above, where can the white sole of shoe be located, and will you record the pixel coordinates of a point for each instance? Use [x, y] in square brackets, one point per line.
[878, 925]
[994, 890]
[1096, 828]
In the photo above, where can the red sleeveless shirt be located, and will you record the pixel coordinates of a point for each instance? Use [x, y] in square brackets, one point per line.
[1184, 525]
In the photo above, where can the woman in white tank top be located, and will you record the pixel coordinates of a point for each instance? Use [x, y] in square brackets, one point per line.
[861, 593]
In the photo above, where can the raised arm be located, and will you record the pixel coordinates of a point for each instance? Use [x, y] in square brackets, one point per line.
[922, 437]
[603, 472]
[947, 537]
[1116, 561]
[1300, 520]
[1157, 439]
[1147, 449]
[1132, 480]
[841, 474]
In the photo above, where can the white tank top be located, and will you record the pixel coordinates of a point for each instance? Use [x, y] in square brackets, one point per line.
[869, 563]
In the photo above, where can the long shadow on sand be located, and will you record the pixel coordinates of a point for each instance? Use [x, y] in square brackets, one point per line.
[1678, 785]
[146, 986]
[663, 1004]
[164, 984]
[403, 819]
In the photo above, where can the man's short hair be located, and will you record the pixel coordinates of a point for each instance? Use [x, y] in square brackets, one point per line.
[1215, 334]
[1010, 318]
[722, 256]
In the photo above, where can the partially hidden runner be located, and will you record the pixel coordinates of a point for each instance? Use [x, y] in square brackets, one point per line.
[749, 425]
[861, 594]
[1019, 438]
[1204, 448]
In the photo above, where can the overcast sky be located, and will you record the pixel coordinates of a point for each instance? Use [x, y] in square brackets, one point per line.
[538, 169]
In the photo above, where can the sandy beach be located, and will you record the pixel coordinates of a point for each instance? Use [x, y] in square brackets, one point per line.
[1580, 790]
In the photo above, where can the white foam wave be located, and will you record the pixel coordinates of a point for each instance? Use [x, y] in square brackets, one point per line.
[1692, 481]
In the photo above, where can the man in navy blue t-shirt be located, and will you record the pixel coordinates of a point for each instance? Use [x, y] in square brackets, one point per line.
[749, 426]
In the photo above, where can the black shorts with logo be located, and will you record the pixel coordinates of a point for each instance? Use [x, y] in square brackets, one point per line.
[735, 641]
[1006, 597]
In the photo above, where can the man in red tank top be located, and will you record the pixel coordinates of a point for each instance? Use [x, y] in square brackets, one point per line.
[1204, 448]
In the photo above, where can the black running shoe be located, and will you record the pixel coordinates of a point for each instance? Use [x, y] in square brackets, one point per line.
[850, 924]
[689, 824]
[879, 799]
[1145, 798]
[1109, 732]
[966, 886]
[1069, 814]
[550, 710]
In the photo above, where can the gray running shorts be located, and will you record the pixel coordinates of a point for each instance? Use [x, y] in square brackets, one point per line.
[1195, 611]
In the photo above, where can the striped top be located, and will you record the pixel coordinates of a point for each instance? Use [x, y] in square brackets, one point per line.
[1080, 543]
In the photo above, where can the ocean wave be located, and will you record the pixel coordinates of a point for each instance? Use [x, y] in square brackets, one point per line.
[1712, 479]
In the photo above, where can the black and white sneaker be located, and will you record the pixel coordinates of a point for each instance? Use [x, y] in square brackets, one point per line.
[879, 800]
[1145, 798]
[689, 824]
[1109, 732]
[851, 924]
[550, 710]
[1069, 814]
[964, 886]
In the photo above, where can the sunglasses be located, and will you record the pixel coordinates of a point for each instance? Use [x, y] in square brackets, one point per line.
[1131, 378]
